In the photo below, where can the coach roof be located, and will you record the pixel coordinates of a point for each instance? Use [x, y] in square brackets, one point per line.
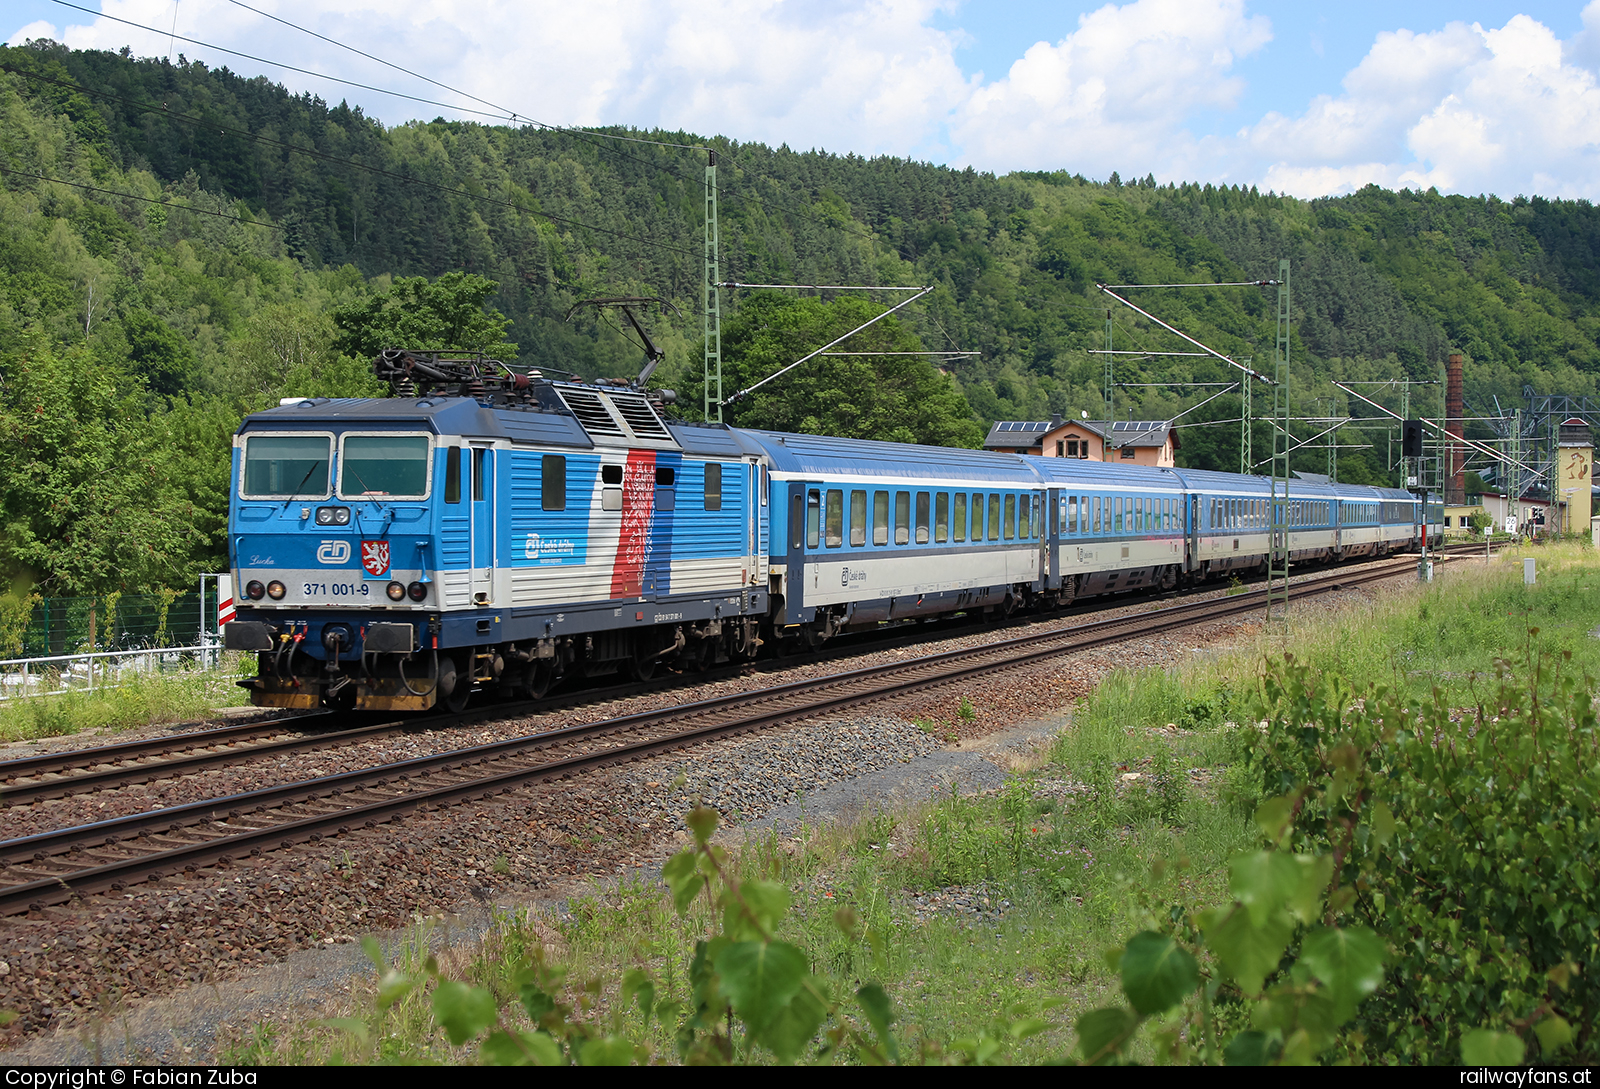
[815, 455]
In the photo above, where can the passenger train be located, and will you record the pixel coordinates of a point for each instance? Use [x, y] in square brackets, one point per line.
[494, 531]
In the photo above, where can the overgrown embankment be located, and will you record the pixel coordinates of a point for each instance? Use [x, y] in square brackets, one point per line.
[1380, 849]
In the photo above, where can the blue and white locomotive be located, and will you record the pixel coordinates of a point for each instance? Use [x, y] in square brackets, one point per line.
[495, 531]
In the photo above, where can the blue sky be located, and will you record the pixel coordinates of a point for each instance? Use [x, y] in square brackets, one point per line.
[1471, 96]
[1312, 47]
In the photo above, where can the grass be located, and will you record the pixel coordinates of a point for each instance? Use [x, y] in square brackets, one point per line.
[1129, 815]
[137, 699]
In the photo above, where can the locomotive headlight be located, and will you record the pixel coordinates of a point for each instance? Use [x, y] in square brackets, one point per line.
[254, 590]
[396, 591]
[333, 516]
[276, 590]
[417, 591]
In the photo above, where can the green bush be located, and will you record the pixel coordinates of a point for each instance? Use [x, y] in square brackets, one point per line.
[1469, 837]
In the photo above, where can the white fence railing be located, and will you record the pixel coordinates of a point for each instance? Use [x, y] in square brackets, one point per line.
[99, 669]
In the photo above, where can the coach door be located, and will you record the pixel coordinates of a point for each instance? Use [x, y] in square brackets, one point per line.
[754, 497]
[482, 525]
[1192, 523]
[1050, 540]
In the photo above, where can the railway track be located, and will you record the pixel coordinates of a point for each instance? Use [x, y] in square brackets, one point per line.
[55, 867]
[63, 774]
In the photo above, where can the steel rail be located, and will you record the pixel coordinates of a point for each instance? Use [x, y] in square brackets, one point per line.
[34, 895]
[49, 763]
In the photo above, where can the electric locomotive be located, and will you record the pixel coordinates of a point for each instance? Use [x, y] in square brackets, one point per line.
[487, 529]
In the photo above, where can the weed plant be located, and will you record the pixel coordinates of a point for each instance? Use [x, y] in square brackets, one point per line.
[133, 699]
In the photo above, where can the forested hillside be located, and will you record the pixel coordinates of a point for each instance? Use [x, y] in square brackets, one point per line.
[207, 243]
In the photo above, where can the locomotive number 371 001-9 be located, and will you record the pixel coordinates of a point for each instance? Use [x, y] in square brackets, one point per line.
[337, 589]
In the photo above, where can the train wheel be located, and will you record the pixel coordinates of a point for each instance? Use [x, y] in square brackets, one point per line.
[541, 675]
[455, 686]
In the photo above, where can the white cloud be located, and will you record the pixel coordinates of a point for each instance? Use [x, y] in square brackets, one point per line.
[865, 76]
[1469, 109]
[36, 29]
[1466, 109]
[1115, 93]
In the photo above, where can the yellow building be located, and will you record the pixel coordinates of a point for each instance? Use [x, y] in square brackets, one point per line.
[1575, 475]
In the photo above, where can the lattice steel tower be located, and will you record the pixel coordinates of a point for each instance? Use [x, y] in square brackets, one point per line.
[1278, 560]
[713, 298]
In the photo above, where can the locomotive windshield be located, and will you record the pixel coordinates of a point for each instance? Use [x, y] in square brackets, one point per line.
[286, 466]
[386, 465]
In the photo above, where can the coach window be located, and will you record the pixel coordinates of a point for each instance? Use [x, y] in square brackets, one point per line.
[858, 519]
[1096, 502]
[902, 517]
[1071, 515]
[977, 516]
[922, 517]
[880, 518]
[835, 523]
[941, 518]
[1008, 524]
[553, 482]
[713, 485]
[994, 517]
[959, 521]
[452, 475]
[813, 519]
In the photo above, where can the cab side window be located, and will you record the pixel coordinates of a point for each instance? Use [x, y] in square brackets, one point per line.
[452, 475]
[553, 482]
[713, 486]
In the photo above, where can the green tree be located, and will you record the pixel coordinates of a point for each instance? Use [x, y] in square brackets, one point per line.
[89, 501]
[160, 356]
[447, 314]
[895, 398]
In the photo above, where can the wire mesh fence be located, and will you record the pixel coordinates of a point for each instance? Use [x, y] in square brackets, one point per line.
[46, 675]
[49, 626]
